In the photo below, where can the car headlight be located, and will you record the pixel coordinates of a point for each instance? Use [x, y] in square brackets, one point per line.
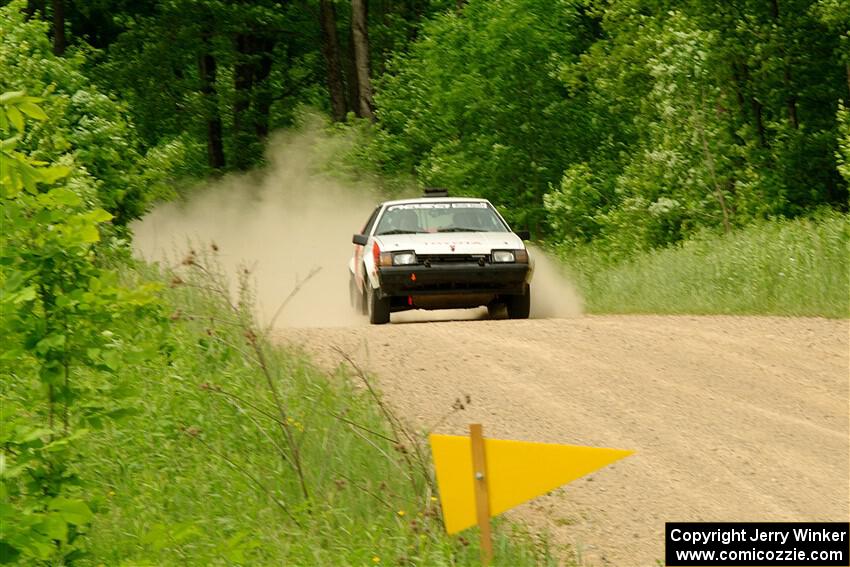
[404, 258]
[509, 256]
[503, 256]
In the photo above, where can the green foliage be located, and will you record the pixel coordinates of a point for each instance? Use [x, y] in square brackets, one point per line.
[574, 207]
[700, 101]
[475, 105]
[797, 268]
[84, 122]
[18, 172]
[835, 14]
[728, 112]
[267, 59]
[57, 309]
[632, 124]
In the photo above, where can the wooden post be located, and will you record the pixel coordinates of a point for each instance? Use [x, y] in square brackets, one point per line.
[482, 500]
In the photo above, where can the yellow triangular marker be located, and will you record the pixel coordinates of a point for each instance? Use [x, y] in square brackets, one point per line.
[517, 471]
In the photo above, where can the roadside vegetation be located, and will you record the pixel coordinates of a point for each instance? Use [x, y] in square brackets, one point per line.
[793, 267]
[178, 434]
[691, 158]
[145, 418]
[214, 467]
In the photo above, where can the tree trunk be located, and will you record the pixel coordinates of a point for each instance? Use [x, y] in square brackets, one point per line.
[252, 98]
[59, 27]
[262, 100]
[207, 71]
[243, 82]
[360, 36]
[351, 75]
[32, 7]
[756, 107]
[740, 75]
[774, 9]
[709, 161]
[757, 114]
[330, 50]
[718, 191]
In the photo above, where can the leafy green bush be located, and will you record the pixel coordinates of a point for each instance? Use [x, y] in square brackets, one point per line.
[58, 312]
[84, 122]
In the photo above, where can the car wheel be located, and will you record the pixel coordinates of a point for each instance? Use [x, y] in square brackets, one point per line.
[519, 306]
[379, 308]
[496, 310]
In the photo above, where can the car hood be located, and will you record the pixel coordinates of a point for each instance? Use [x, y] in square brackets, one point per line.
[451, 242]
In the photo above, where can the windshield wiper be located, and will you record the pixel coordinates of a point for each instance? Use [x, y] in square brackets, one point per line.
[460, 229]
[398, 231]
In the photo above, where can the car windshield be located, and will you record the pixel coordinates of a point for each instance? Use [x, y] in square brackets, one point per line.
[414, 218]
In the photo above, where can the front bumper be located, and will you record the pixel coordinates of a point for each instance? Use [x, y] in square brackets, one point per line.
[453, 279]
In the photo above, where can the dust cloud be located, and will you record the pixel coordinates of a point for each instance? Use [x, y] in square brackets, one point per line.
[281, 222]
[553, 295]
[287, 221]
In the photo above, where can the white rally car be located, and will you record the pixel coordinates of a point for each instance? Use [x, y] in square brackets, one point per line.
[439, 252]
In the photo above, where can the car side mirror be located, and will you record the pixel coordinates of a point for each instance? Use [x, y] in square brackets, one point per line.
[523, 234]
[360, 239]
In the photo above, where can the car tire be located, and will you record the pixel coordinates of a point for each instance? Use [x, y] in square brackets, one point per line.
[519, 306]
[379, 308]
[496, 310]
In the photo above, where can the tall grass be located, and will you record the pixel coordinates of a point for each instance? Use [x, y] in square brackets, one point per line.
[201, 474]
[797, 267]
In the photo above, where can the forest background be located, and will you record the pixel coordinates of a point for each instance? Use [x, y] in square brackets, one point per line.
[684, 157]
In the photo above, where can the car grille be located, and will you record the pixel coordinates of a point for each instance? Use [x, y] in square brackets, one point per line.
[431, 259]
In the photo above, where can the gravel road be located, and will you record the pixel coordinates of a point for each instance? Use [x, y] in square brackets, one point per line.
[732, 418]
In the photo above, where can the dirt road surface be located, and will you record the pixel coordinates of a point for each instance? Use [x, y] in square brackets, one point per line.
[732, 418]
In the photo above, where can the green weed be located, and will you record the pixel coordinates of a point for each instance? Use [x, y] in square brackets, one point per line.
[798, 267]
[203, 474]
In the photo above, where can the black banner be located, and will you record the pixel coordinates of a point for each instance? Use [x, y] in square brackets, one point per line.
[762, 544]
